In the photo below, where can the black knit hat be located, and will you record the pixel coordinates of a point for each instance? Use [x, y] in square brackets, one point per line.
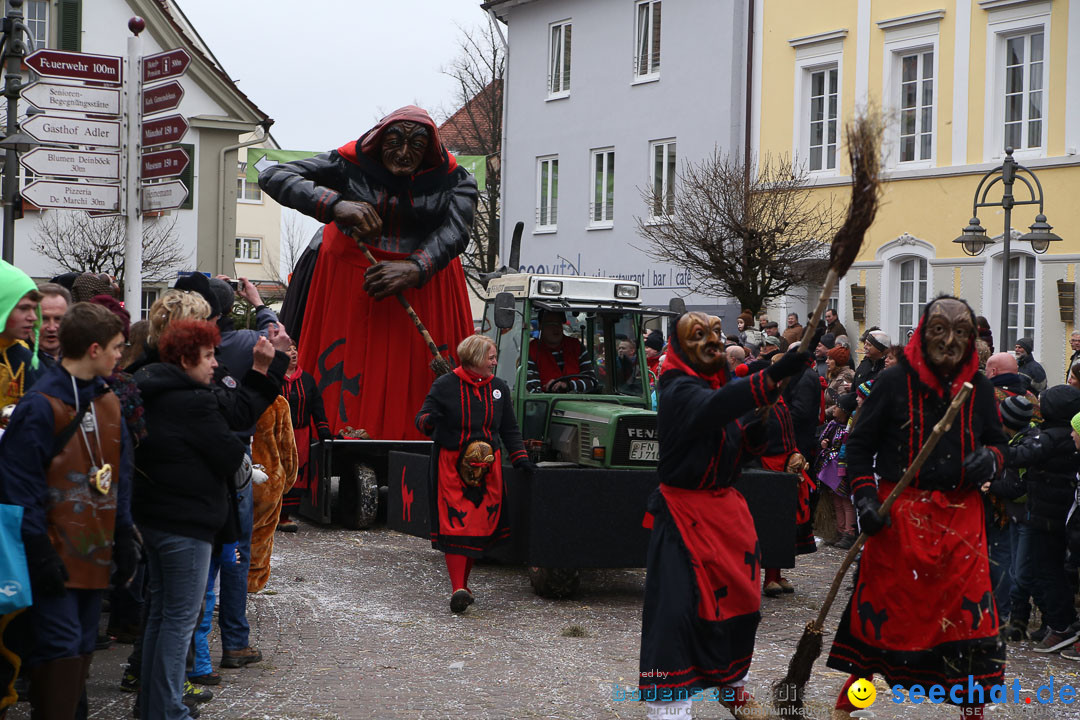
[847, 402]
[1016, 412]
[199, 283]
[655, 340]
[828, 340]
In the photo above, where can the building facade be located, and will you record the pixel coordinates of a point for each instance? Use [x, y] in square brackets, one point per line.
[216, 110]
[604, 101]
[957, 81]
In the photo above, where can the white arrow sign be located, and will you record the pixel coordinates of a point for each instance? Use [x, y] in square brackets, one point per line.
[72, 196]
[264, 162]
[163, 196]
[73, 131]
[73, 98]
[73, 163]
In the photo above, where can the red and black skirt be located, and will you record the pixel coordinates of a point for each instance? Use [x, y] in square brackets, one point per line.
[465, 519]
[923, 611]
[702, 601]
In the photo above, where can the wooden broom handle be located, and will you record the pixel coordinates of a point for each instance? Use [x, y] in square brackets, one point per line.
[940, 429]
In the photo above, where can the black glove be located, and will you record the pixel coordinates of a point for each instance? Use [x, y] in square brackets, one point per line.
[47, 571]
[526, 466]
[125, 554]
[790, 364]
[868, 508]
[980, 466]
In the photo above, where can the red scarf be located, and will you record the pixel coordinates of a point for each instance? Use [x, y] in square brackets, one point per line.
[468, 376]
[544, 358]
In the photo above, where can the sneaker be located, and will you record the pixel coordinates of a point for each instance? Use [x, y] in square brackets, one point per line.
[240, 658]
[130, 682]
[773, 589]
[1038, 635]
[211, 678]
[1056, 640]
[845, 542]
[194, 694]
[460, 600]
[104, 642]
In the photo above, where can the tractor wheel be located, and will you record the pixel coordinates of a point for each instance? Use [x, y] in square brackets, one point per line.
[556, 583]
[358, 499]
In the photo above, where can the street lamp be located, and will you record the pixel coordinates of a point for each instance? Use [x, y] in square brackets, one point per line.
[973, 238]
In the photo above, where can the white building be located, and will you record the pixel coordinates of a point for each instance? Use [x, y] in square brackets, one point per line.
[605, 98]
[217, 111]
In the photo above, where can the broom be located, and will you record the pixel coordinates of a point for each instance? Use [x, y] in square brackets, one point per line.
[439, 364]
[788, 692]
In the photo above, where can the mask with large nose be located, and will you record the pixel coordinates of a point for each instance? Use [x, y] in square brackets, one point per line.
[702, 342]
[947, 335]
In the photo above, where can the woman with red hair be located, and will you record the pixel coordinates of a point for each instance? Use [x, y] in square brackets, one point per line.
[180, 502]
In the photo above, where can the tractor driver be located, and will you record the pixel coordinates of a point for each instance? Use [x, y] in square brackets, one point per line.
[558, 363]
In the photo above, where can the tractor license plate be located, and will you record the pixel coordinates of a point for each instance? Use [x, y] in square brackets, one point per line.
[648, 450]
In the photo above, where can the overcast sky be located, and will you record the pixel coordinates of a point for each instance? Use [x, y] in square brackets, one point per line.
[327, 70]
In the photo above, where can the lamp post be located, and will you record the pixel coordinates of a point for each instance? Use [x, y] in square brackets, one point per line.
[973, 238]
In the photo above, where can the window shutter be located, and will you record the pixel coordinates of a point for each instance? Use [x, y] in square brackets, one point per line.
[188, 176]
[69, 25]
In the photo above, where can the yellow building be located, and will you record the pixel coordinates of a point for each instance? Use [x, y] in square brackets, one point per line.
[958, 81]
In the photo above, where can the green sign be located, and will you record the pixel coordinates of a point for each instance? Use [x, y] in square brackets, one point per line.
[258, 159]
[477, 165]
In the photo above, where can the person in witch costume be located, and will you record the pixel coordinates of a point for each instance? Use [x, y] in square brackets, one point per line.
[466, 413]
[702, 603]
[413, 205]
[922, 612]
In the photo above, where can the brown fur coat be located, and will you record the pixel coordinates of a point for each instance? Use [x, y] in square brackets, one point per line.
[273, 447]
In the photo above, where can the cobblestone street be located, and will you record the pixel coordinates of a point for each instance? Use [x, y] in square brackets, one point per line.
[356, 625]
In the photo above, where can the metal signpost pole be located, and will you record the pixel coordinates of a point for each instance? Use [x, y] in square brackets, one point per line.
[132, 179]
[14, 51]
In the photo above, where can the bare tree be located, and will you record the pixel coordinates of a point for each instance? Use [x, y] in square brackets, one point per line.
[476, 129]
[76, 242]
[752, 238]
[294, 240]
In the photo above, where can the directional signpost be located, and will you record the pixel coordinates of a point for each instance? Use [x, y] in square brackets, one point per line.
[163, 196]
[73, 195]
[73, 131]
[169, 64]
[160, 98]
[73, 98]
[77, 66]
[73, 163]
[164, 163]
[168, 129]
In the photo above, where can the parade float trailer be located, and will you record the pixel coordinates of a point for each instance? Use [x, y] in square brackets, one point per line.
[596, 453]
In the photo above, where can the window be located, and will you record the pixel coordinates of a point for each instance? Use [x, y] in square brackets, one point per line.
[602, 208]
[149, 297]
[559, 61]
[547, 193]
[647, 40]
[36, 19]
[248, 249]
[1021, 299]
[917, 106]
[247, 191]
[1024, 91]
[663, 178]
[824, 106]
[913, 288]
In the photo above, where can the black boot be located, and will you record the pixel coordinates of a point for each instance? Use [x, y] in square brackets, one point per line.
[55, 688]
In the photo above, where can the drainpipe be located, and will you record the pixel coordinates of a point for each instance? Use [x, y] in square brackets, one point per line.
[265, 125]
[749, 121]
[502, 137]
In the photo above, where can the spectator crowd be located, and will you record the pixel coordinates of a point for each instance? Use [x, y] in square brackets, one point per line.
[149, 465]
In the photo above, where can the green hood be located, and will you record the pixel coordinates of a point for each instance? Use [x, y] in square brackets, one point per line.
[14, 283]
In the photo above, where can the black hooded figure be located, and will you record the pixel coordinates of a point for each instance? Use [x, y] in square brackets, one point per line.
[702, 599]
[922, 612]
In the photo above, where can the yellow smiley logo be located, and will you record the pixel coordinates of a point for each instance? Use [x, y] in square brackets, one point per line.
[862, 693]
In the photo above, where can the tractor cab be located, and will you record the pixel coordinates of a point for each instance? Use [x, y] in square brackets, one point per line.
[571, 349]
